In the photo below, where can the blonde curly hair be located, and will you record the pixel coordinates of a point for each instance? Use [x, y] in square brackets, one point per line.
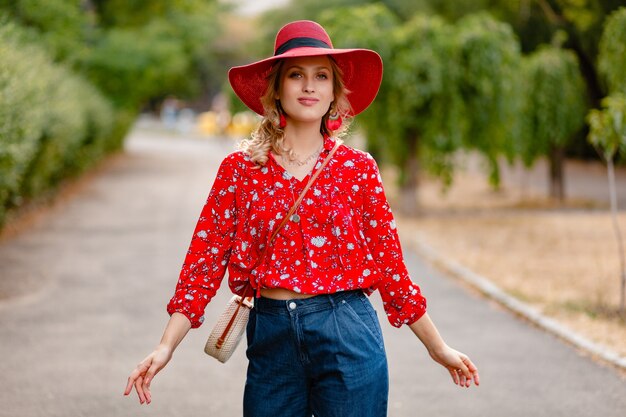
[269, 136]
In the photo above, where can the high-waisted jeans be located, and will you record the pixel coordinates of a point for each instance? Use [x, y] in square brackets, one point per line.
[321, 356]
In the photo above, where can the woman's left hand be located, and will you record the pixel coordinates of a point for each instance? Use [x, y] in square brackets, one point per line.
[461, 368]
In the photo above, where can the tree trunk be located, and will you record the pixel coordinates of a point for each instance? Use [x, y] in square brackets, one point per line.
[618, 234]
[557, 177]
[410, 178]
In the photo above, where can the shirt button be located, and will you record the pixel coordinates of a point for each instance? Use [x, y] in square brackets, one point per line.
[292, 305]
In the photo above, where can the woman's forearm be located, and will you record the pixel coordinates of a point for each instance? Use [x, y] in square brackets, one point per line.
[426, 331]
[461, 368]
[175, 331]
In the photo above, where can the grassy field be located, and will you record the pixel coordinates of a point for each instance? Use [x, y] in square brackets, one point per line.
[561, 259]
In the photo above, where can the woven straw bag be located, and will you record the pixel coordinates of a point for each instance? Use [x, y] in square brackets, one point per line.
[229, 329]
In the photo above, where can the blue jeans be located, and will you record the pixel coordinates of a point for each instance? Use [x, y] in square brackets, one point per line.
[321, 356]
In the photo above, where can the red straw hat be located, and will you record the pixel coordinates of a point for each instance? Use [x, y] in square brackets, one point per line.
[362, 68]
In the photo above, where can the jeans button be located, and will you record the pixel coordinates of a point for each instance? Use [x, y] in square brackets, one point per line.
[292, 305]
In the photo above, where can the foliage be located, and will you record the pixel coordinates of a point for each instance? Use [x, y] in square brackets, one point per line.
[132, 65]
[186, 29]
[367, 27]
[58, 24]
[612, 57]
[608, 126]
[555, 102]
[536, 22]
[608, 135]
[137, 13]
[57, 59]
[52, 122]
[489, 60]
[428, 112]
[134, 51]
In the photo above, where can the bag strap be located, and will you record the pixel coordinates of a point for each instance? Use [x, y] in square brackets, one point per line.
[296, 204]
[222, 338]
[240, 300]
[301, 196]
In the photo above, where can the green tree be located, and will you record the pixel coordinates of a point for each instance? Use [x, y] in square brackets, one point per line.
[53, 123]
[133, 50]
[608, 135]
[612, 58]
[368, 27]
[456, 89]
[537, 21]
[134, 65]
[554, 111]
[58, 24]
[187, 30]
[424, 111]
[489, 60]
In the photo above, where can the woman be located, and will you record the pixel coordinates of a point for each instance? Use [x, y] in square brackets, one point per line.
[314, 342]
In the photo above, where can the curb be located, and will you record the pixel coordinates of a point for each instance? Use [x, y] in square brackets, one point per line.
[492, 291]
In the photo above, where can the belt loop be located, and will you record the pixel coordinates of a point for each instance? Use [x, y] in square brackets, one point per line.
[332, 300]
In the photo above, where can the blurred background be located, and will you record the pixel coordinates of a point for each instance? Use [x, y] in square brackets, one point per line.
[499, 126]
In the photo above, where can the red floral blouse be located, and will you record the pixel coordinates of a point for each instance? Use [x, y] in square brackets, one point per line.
[344, 236]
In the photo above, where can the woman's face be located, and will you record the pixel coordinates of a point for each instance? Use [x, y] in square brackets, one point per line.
[306, 88]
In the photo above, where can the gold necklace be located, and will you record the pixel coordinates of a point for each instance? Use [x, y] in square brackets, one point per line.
[296, 161]
[295, 217]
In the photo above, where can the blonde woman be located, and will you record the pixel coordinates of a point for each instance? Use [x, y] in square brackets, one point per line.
[315, 345]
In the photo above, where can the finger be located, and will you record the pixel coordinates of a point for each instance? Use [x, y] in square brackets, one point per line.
[129, 385]
[139, 389]
[454, 375]
[466, 375]
[150, 374]
[476, 378]
[132, 378]
[463, 379]
[147, 380]
[137, 372]
[472, 371]
[131, 382]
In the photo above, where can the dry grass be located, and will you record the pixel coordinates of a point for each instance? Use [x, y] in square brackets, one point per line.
[562, 259]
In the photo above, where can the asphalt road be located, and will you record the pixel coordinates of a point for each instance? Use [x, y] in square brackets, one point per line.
[90, 279]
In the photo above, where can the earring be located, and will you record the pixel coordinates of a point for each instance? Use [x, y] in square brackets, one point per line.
[282, 120]
[334, 121]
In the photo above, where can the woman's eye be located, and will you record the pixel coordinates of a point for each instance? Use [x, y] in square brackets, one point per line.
[295, 75]
[323, 76]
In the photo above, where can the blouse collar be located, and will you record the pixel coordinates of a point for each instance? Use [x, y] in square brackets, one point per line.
[329, 142]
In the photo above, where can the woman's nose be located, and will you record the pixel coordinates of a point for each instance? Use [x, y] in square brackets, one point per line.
[308, 86]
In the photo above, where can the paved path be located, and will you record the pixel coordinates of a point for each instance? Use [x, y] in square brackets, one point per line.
[107, 260]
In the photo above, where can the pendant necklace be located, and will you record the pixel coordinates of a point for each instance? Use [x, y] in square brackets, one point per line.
[295, 217]
[296, 161]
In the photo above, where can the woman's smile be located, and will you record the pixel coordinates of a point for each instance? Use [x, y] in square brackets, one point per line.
[308, 101]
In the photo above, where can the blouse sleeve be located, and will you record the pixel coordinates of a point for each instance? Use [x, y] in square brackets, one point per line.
[402, 299]
[209, 251]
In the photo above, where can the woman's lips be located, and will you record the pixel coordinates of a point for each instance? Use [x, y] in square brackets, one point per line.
[307, 101]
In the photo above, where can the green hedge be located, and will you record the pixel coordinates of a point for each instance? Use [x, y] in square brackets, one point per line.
[53, 123]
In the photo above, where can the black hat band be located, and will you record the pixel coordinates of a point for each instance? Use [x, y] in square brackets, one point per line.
[299, 43]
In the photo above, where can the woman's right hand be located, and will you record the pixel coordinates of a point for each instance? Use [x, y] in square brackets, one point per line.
[144, 373]
[176, 329]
